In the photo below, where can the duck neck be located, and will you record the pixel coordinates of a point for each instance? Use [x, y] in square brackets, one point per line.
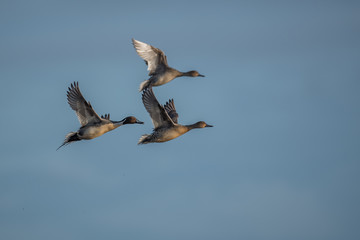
[118, 123]
[185, 74]
[192, 126]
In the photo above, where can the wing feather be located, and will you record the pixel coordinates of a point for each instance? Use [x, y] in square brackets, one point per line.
[171, 110]
[83, 109]
[154, 58]
[157, 112]
[106, 116]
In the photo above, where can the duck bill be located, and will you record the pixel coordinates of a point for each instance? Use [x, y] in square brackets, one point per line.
[139, 122]
[200, 75]
[207, 125]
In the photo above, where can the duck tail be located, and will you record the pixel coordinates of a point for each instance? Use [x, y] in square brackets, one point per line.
[70, 137]
[144, 139]
[145, 84]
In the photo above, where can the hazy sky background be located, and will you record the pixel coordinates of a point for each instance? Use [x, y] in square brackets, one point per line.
[282, 89]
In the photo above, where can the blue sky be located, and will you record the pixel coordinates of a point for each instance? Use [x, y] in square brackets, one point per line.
[281, 88]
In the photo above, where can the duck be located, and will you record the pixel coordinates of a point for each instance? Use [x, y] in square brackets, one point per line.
[92, 125]
[165, 120]
[159, 70]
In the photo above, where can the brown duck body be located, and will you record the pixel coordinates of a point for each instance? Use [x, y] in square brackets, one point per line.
[96, 130]
[164, 77]
[164, 134]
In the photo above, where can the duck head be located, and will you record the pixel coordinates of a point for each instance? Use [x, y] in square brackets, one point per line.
[200, 124]
[193, 74]
[131, 120]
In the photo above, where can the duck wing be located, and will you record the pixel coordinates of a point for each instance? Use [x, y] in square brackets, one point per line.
[171, 111]
[83, 109]
[106, 116]
[154, 58]
[158, 114]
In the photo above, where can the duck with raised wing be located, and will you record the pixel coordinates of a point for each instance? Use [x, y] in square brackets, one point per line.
[92, 125]
[165, 120]
[159, 70]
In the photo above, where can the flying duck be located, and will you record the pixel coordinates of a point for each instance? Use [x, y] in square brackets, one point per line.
[165, 120]
[159, 70]
[92, 125]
